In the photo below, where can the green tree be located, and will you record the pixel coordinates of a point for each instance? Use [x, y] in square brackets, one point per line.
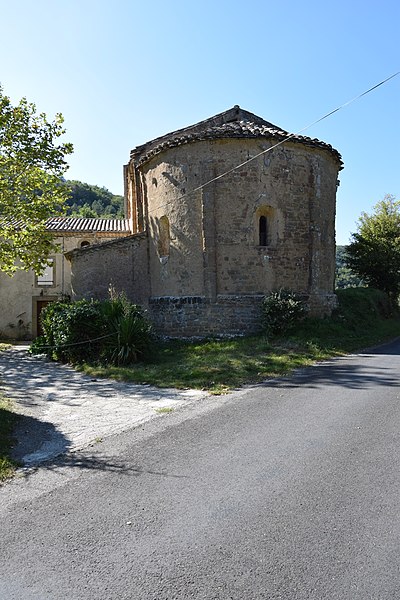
[374, 253]
[85, 211]
[345, 277]
[32, 188]
[99, 199]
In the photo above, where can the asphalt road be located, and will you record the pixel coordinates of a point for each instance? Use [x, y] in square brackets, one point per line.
[286, 490]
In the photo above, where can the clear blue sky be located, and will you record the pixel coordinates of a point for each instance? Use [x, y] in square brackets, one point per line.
[125, 71]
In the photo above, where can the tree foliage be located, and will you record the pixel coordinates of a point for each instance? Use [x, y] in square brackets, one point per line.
[32, 188]
[344, 277]
[87, 200]
[374, 253]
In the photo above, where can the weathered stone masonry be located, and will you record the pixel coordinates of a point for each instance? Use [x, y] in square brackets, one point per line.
[208, 255]
[199, 315]
[120, 264]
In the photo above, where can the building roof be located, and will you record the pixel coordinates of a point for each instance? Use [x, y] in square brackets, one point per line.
[80, 224]
[233, 123]
[126, 240]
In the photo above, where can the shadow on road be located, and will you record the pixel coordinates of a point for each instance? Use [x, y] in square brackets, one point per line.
[84, 461]
[40, 444]
[345, 373]
[390, 349]
[62, 410]
[37, 440]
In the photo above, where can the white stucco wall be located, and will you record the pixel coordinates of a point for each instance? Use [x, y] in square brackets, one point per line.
[20, 294]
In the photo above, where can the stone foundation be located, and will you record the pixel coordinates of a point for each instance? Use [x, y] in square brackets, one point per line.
[192, 316]
[198, 316]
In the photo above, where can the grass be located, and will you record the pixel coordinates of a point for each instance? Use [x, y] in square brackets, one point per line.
[8, 420]
[221, 365]
[214, 365]
[164, 409]
[4, 346]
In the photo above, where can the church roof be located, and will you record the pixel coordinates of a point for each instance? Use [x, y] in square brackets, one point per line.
[233, 123]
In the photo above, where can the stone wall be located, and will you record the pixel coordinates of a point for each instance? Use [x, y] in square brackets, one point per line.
[121, 264]
[180, 272]
[187, 316]
[214, 238]
[199, 316]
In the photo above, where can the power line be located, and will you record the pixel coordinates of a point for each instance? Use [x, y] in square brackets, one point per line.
[291, 135]
[56, 346]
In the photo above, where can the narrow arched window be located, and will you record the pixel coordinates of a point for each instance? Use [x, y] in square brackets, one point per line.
[164, 237]
[263, 231]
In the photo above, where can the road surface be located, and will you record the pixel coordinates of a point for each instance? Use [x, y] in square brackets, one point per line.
[288, 490]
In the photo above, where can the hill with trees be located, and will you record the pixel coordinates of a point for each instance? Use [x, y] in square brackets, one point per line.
[87, 200]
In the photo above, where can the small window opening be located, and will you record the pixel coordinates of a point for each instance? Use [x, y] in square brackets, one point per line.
[164, 237]
[263, 231]
[47, 277]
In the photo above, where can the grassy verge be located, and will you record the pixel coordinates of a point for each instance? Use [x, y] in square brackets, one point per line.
[222, 365]
[8, 420]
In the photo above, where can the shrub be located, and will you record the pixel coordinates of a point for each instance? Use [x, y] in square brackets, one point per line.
[360, 305]
[114, 331]
[281, 311]
[71, 329]
[133, 337]
[39, 346]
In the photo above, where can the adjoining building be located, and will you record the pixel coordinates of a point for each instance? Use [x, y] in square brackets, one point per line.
[220, 214]
[23, 296]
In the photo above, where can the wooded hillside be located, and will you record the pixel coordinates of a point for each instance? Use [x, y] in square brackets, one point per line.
[93, 201]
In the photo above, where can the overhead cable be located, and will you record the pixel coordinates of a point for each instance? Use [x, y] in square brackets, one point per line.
[288, 137]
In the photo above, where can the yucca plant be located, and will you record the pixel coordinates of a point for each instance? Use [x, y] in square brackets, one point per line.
[133, 332]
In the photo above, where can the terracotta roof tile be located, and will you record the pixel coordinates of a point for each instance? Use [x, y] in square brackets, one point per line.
[233, 123]
[73, 224]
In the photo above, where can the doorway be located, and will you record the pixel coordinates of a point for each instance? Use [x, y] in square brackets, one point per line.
[39, 303]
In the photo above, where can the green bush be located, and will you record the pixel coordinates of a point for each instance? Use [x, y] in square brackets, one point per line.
[363, 317]
[71, 329]
[281, 311]
[113, 331]
[362, 304]
[133, 334]
[39, 346]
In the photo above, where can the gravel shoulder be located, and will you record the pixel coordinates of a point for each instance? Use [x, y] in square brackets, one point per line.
[65, 410]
